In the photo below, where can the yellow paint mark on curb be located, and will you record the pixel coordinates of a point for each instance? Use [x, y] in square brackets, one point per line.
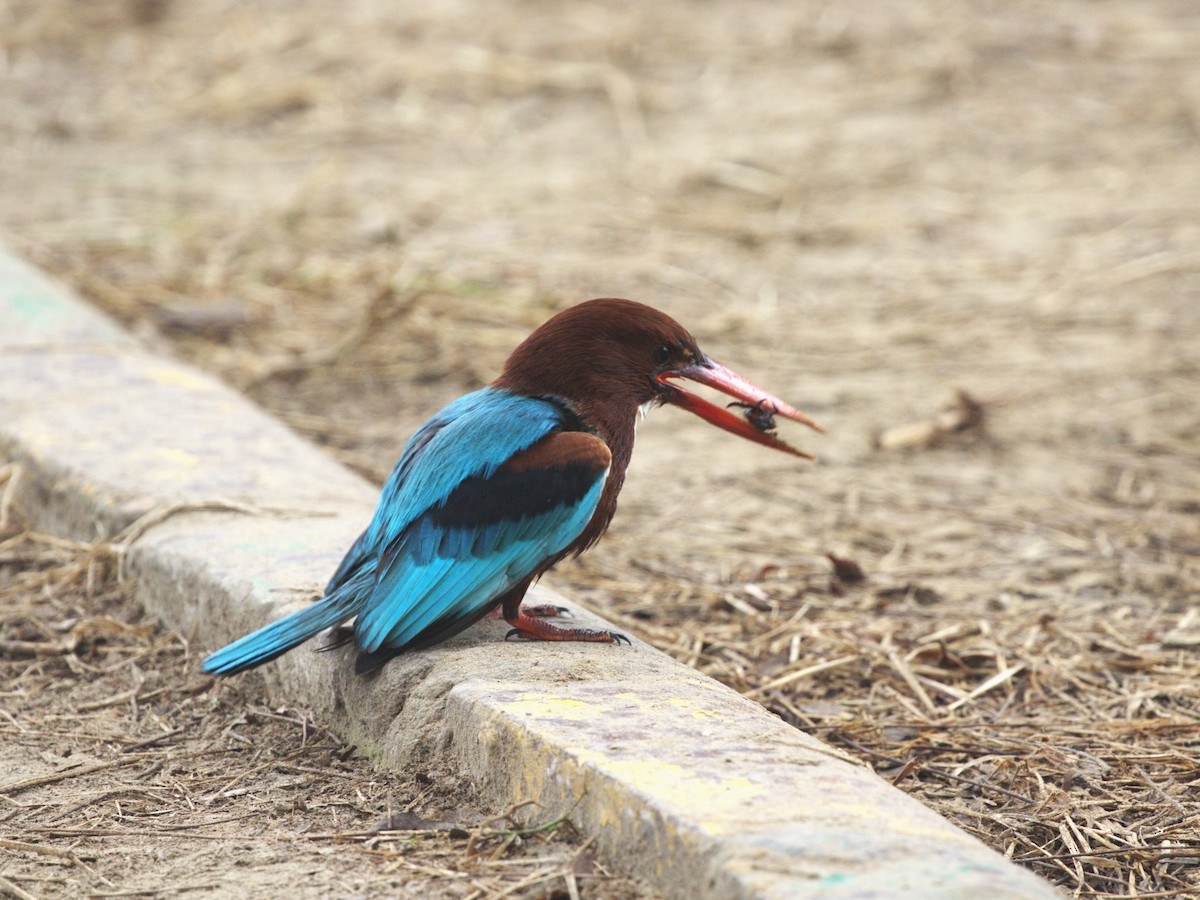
[190, 381]
[716, 802]
[694, 709]
[179, 457]
[548, 705]
[684, 790]
[864, 813]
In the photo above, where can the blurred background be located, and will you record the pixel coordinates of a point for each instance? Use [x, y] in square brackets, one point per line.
[965, 236]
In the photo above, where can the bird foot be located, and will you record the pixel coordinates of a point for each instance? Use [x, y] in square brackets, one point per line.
[531, 628]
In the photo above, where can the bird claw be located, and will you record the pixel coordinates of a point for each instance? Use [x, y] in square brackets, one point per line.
[332, 638]
[598, 637]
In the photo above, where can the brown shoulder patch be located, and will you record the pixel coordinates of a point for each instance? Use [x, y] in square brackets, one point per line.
[561, 449]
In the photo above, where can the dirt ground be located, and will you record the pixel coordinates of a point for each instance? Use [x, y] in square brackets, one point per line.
[354, 211]
[127, 773]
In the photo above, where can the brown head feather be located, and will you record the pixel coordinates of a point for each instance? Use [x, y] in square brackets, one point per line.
[601, 357]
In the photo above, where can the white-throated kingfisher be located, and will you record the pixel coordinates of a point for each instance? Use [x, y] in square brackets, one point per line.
[506, 481]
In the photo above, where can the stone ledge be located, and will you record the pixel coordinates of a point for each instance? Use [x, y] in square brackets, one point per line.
[685, 783]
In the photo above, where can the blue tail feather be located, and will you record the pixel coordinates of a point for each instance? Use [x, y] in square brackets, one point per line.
[279, 637]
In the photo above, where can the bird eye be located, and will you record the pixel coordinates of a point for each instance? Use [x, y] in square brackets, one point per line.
[662, 354]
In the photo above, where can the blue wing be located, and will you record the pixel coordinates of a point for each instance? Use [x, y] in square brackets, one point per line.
[400, 573]
[490, 534]
[472, 436]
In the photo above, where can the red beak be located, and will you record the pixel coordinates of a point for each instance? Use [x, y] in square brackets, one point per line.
[758, 422]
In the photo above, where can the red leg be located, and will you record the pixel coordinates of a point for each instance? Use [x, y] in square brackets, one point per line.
[545, 611]
[528, 623]
[527, 626]
[540, 611]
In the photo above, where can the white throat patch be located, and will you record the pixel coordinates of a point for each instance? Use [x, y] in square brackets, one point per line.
[642, 411]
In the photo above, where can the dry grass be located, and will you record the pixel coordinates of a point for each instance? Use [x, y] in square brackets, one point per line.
[355, 212]
[1071, 745]
[129, 774]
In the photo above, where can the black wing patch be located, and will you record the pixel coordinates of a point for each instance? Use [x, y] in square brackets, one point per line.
[509, 496]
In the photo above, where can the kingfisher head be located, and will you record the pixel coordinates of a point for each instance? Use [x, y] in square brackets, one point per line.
[608, 357]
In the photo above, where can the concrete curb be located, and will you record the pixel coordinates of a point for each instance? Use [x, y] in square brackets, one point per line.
[685, 783]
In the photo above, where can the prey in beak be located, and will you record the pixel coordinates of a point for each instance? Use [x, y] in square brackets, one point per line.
[758, 421]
